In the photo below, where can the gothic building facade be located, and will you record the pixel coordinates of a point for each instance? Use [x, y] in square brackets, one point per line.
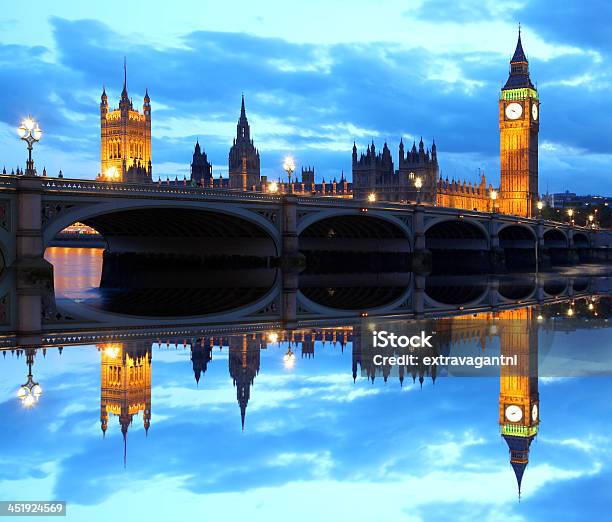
[201, 169]
[375, 173]
[244, 164]
[125, 139]
[519, 123]
[518, 191]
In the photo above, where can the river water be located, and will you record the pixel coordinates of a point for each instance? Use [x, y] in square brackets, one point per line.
[300, 425]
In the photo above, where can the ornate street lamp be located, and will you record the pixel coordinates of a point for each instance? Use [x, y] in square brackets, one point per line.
[30, 132]
[273, 187]
[570, 213]
[540, 205]
[591, 218]
[418, 183]
[493, 196]
[372, 197]
[289, 167]
[112, 174]
[30, 392]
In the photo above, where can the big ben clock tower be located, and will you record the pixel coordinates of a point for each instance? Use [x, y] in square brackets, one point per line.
[519, 122]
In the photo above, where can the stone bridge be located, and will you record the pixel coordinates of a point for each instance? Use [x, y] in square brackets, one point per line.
[181, 220]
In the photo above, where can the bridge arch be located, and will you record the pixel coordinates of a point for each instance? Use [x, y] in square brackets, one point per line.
[516, 291]
[457, 245]
[456, 233]
[516, 233]
[555, 287]
[442, 292]
[555, 238]
[354, 241]
[580, 239]
[120, 221]
[355, 224]
[374, 303]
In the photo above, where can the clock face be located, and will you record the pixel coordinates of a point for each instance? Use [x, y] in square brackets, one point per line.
[514, 413]
[534, 413]
[514, 111]
[534, 111]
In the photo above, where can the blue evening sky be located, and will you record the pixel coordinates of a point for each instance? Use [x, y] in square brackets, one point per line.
[316, 75]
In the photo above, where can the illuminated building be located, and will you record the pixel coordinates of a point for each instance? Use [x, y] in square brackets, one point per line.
[125, 139]
[518, 192]
[125, 384]
[519, 122]
[374, 173]
[79, 228]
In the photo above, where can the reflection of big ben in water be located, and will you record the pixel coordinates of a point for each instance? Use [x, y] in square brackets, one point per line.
[125, 384]
[518, 391]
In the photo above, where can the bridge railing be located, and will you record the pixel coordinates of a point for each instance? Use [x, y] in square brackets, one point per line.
[7, 181]
[97, 187]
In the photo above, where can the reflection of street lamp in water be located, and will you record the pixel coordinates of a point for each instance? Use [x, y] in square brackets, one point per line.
[30, 392]
[289, 359]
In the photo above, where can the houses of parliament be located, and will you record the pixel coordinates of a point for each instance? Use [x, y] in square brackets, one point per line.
[126, 157]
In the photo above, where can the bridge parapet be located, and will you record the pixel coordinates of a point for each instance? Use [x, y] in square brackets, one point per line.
[97, 187]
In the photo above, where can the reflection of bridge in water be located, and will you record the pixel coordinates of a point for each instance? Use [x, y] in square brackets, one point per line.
[126, 358]
[265, 298]
[192, 228]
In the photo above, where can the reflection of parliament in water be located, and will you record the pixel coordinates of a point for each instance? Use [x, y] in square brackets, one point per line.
[517, 331]
[125, 384]
[126, 370]
[126, 366]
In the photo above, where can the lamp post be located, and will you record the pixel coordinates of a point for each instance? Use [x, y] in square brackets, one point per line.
[493, 196]
[591, 218]
[540, 205]
[273, 187]
[30, 391]
[418, 183]
[372, 197]
[570, 213]
[289, 167]
[30, 132]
